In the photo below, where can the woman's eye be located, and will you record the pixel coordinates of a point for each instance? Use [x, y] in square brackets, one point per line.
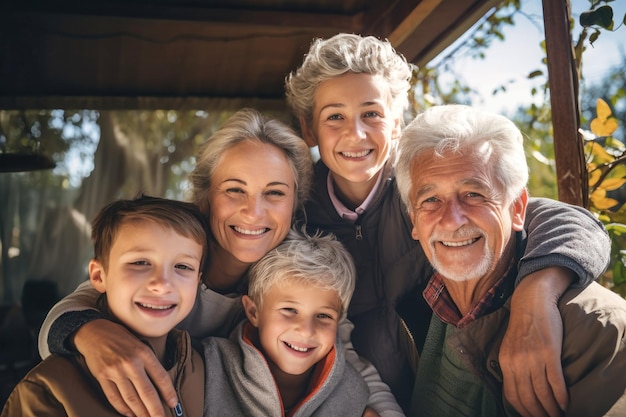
[276, 193]
[184, 267]
[371, 114]
[234, 190]
[334, 117]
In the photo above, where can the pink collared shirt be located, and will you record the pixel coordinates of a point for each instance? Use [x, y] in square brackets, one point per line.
[343, 211]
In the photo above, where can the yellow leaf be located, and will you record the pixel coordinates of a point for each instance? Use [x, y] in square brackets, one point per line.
[594, 176]
[599, 200]
[604, 124]
[603, 127]
[602, 109]
[613, 183]
[606, 203]
[600, 155]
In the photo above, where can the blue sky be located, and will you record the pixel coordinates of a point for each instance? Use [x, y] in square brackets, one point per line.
[510, 61]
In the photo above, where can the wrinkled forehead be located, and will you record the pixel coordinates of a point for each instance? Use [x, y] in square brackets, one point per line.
[431, 170]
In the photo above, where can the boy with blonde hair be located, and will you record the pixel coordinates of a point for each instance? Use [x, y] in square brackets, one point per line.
[149, 255]
[286, 359]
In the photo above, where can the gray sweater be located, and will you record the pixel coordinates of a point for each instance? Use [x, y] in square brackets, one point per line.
[239, 383]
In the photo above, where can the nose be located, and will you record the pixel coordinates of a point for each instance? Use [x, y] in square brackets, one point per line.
[160, 281]
[306, 326]
[254, 206]
[453, 216]
[355, 130]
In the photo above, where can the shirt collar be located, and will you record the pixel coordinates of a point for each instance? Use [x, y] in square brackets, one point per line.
[343, 211]
[439, 299]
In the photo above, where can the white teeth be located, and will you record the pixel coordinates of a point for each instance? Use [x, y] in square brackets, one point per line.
[249, 232]
[355, 154]
[154, 307]
[457, 244]
[299, 349]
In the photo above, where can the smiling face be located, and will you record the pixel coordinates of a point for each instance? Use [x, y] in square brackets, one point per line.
[297, 325]
[252, 199]
[354, 127]
[460, 219]
[151, 279]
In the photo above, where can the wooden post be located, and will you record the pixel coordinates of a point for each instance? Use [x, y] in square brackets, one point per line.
[571, 171]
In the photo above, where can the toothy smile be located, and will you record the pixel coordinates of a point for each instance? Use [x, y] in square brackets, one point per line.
[155, 307]
[458, 244]
[356, 154]
[249, 232]
[296, 348]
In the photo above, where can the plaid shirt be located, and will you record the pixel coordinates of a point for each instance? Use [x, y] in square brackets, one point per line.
[439, 299]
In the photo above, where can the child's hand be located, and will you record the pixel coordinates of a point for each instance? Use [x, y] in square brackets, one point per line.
[370, 412]
[126, 369]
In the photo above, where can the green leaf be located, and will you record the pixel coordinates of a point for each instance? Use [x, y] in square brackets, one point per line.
[619, 274]
[602, 16]
[535, 73]
[617, 228]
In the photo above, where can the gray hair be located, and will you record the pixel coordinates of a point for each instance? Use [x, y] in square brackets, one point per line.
[318, 260]
[459, 128]
[250, 124]
[342, 53]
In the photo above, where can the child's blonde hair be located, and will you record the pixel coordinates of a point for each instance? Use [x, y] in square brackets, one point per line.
[319, 260]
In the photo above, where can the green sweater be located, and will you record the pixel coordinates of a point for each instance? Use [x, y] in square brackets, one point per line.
[444, 386]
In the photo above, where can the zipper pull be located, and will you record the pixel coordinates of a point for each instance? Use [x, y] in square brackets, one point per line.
[178, 410]
[359, 235]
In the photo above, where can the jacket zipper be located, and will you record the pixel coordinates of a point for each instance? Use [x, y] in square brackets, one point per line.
[409, 343]
[359, 234]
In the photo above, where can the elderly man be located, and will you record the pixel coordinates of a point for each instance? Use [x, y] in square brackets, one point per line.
[462, 174]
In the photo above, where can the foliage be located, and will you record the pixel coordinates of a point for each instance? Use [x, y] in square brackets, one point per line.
[607, 187]
[603, 112]
[428, 87]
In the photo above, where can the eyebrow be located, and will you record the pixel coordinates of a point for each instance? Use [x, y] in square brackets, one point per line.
[271, 184]
[364, 104]
[427, 188]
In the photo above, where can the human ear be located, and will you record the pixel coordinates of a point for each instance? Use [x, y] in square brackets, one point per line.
[397, 129]
[97, 275]
[307, 133]
[519, 211]
[251, 310]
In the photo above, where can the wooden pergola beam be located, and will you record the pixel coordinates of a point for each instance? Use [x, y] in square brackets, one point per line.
[563, 81]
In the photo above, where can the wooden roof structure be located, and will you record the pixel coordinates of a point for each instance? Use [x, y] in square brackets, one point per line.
[172, 53]
[141, 54]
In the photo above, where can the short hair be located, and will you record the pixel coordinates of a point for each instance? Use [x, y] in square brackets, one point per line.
[183, 218]
[459, 128]
[343, 53]
[319, 260]
[250, 124]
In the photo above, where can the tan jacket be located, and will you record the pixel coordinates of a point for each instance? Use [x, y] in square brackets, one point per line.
[593, 356]
[61, 386]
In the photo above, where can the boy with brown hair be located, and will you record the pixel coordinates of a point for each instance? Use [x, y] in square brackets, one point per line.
[149, 255]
